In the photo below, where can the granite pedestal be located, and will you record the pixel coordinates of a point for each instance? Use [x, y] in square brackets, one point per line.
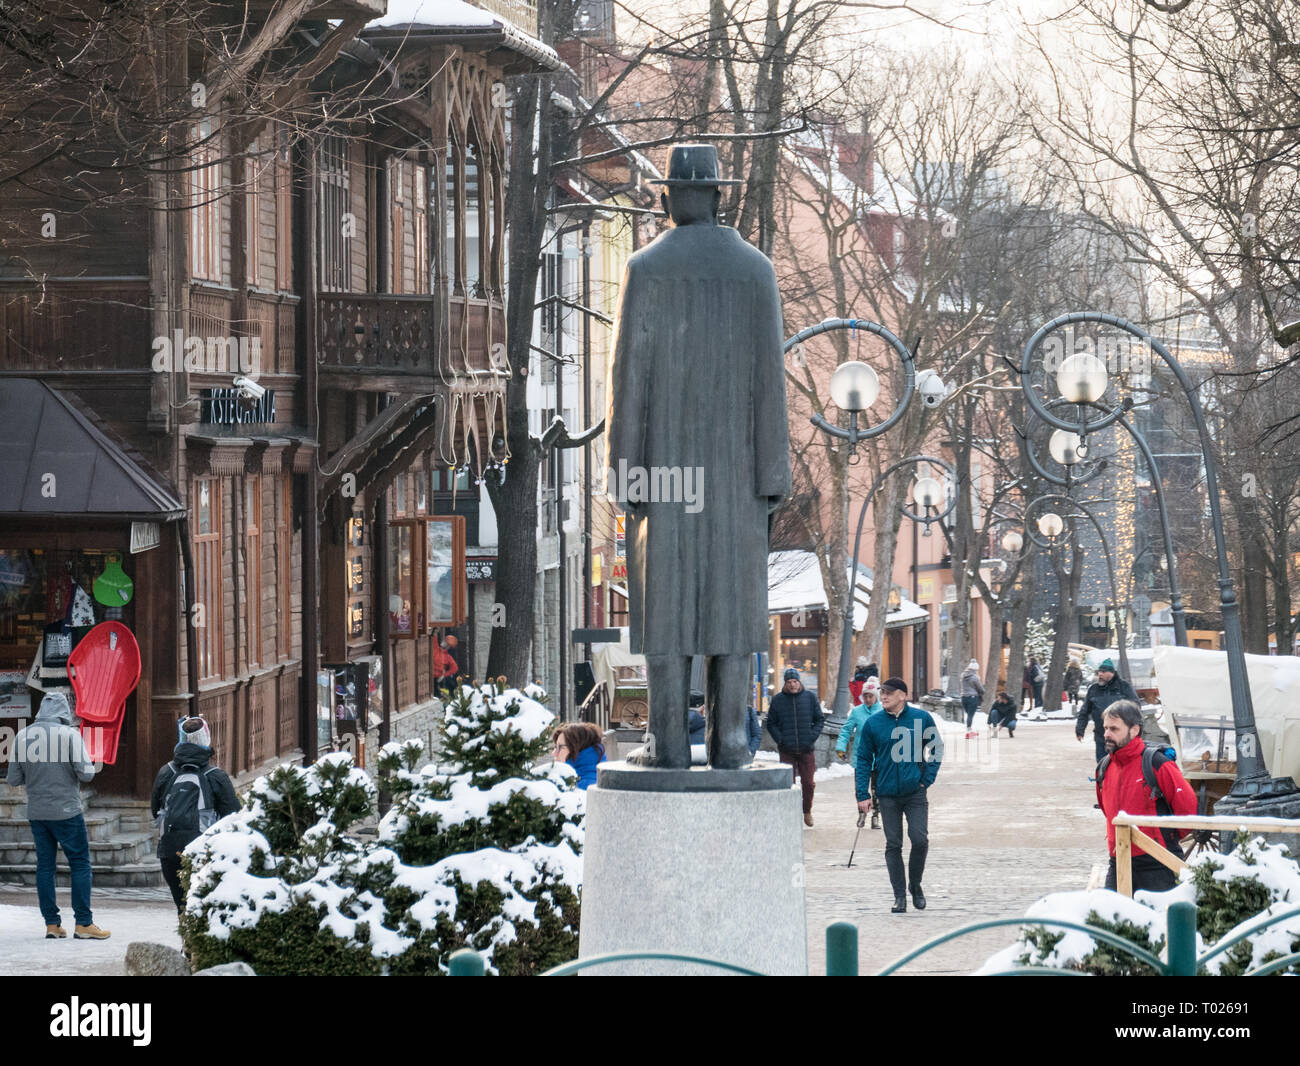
[716, 871]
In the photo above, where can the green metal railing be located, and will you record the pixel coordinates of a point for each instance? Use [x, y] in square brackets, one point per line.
[842, 950]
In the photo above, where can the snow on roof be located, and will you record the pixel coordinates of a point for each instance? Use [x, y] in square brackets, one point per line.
[794, 583]
[813, 152]
[433, 13]
[418, 15]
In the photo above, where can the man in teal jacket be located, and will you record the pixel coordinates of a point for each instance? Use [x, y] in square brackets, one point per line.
[902, 745]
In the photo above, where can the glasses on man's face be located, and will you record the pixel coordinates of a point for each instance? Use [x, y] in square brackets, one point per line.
[560, 746]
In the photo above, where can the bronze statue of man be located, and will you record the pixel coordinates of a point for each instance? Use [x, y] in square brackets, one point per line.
[698, 448]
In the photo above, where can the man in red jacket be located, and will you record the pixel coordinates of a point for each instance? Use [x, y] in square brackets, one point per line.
[1122, 786]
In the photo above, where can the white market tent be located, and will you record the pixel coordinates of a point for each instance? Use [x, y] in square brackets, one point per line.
[1195, 682]
[794, 583]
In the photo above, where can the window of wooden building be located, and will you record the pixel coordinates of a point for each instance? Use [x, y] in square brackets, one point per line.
[453, 230]
[253, 164]
[207, 537]
[253, 566]
[397, 212]
[473, 221]
[420, 230]
[205, 204]
[284, 568]
[282, 175]
[336, 221]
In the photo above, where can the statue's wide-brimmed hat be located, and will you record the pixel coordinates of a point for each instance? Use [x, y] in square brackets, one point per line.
[694, 164]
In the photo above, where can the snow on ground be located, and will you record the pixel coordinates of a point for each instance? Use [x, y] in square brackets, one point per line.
[25, 951]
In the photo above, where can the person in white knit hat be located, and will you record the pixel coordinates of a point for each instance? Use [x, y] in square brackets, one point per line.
[188, 796]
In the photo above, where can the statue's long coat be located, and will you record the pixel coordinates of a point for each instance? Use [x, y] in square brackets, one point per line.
[698, 381]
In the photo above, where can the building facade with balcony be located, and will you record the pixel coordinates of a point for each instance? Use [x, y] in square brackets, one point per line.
[261, 388]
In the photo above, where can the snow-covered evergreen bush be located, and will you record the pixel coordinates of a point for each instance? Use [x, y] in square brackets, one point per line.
[1232, 893]
[1040, 635]
[482, 850]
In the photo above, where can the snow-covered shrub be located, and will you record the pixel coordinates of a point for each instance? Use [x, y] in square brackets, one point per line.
[480, 851]
[1232, 893]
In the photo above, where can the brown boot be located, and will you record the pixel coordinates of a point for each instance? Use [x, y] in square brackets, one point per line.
[807, 819]
[90, 932]
[55, 932]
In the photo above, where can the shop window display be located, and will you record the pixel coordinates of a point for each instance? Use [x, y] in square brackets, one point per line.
[49, 600]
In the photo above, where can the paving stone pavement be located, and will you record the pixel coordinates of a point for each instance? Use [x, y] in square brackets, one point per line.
[1010, 821]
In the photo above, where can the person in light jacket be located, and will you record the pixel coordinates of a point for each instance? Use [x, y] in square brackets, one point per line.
[50, 759]
[869, 705]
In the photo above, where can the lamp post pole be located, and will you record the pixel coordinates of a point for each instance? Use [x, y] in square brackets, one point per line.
[1253, 781]
[1070, 459]
[927, 501]
[1082, 509]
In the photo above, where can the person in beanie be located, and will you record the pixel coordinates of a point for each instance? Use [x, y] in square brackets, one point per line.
[1107, 689]
[794, 718]
[191, 755]
[901, 744]
[50, 759]
[853, 724]
[972, 691]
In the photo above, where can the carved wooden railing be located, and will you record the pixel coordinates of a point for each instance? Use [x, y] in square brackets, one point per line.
[402, 334]
[377, 331]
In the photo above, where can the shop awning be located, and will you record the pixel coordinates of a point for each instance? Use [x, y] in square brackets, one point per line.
[794, 583]
[55, 462]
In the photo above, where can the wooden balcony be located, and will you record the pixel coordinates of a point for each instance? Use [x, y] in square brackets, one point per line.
[378, 339]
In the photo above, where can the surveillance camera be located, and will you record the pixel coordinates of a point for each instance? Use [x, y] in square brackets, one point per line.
[249, 389]
[932, 389]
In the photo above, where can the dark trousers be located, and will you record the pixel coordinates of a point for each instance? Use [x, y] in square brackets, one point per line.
[171, 871]
[70, 835]
[917, 808]
[805, 766]
[970, 704]
[1149, 875]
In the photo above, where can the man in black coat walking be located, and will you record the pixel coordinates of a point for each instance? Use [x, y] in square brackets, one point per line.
[795, 721]
[1107, 689]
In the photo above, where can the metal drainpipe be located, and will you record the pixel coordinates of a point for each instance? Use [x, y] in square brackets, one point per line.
[586, 423]
[558, 468]
[191, 635]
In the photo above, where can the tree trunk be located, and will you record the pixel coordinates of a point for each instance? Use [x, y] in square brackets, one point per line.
[885, 506]
[993, 655]
[1019, 607]
[515, 501]
[1066, 613]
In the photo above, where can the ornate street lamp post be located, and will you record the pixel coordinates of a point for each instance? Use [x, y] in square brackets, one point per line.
[1069, 450]
[1082, 379]
[854, 388]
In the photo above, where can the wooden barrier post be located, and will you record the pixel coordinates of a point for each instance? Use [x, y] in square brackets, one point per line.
[1123, 860]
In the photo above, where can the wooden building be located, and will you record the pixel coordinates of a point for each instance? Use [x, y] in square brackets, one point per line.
[293, 376]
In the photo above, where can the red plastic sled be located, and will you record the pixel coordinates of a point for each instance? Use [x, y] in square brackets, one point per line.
[104, 669]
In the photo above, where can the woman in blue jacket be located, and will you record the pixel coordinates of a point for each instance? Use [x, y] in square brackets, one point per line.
[578, 744]
[869, 705]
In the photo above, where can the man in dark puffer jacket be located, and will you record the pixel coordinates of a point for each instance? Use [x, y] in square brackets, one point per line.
[795, 721]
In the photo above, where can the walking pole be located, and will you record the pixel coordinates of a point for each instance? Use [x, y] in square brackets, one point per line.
[862, 820]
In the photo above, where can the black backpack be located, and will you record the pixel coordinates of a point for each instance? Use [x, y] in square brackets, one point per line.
[187, 808]
[1152, 759]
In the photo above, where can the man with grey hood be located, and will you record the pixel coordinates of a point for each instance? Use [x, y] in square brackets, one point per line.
[50, 759]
